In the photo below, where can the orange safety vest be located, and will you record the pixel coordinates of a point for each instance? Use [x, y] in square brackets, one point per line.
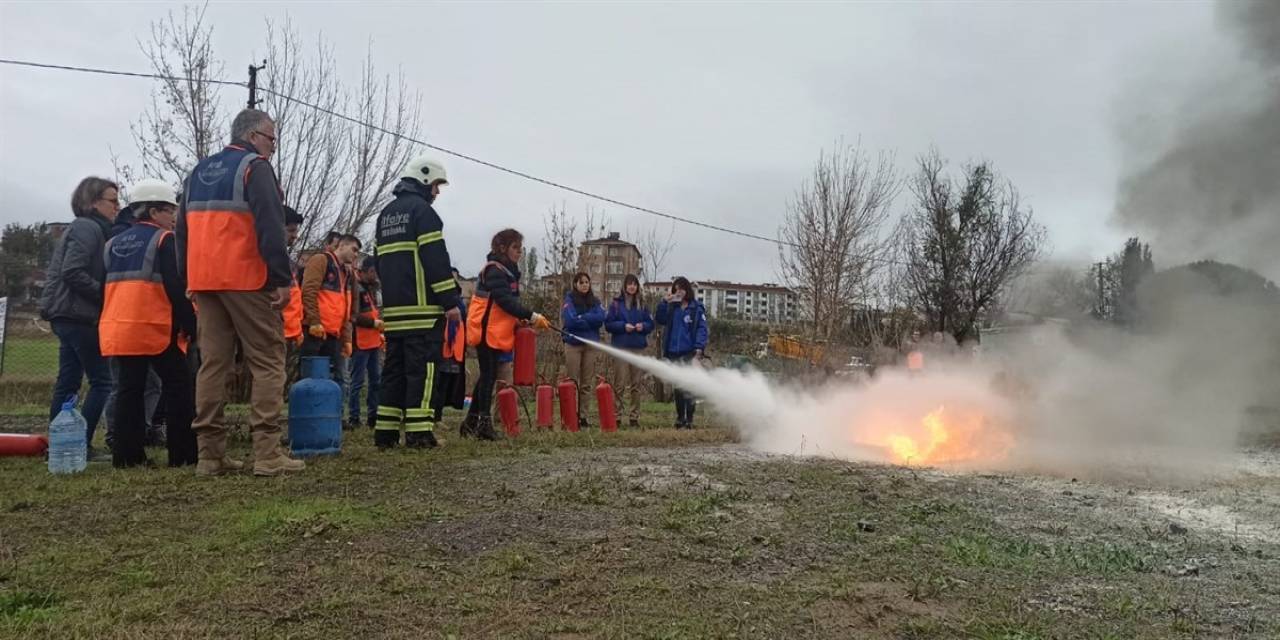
[915, 361]
[334, 299]
[222, 242]
[137, 318]
[292, 313]
[367, 338]
[455, 342]
[488, 322]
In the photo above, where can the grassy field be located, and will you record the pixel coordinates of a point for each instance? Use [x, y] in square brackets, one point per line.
[651, 533]
[26, 356]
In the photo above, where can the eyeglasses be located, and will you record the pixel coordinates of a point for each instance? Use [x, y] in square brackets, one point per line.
[267, 136]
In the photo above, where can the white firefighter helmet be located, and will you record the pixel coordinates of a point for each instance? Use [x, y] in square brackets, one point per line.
[425, 169]
[153, 191]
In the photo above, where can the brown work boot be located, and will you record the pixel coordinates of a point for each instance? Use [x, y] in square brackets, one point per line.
[269, 458]
[277, 465]
[206, 467]
[212, 452]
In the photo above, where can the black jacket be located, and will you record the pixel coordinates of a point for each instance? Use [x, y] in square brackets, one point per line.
[498, 284]
[175, 287]
[410, 241]
[74, 280]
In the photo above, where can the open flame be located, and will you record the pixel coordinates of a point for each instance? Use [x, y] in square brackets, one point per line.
[942, 437]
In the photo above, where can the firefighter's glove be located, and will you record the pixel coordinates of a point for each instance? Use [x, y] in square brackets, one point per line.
[316, 331]
[540, 322]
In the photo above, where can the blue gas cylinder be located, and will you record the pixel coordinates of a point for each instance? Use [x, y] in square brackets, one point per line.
[315, 411]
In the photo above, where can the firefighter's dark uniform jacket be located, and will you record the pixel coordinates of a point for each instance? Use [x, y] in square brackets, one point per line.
[413, 264]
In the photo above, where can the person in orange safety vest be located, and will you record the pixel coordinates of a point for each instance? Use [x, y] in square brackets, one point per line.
[366, 359]
[327, 302]
[292, 313]
[145, 325]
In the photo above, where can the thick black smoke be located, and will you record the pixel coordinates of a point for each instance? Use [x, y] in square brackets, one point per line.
[1213, 190]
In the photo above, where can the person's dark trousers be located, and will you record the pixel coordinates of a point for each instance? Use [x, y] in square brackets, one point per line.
[408, 381]
[482, 392]
[78, 356]
[365, 363]
[685, 403]
[150, 398]
[131, 427]
[479, 420]
[329, 347]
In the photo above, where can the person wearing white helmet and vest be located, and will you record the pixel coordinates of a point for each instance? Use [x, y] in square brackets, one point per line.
[419, 297]
[146, 323]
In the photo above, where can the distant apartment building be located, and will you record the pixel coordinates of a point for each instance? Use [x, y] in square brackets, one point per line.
[763, 303]
[608, 260]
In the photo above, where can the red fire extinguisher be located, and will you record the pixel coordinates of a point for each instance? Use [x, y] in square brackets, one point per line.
[546, 398]
[508, 411]
[604, 404]
[22, 444]
[568, 391]
[525, 366]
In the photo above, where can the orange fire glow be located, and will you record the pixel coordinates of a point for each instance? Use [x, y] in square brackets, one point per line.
[942, 437]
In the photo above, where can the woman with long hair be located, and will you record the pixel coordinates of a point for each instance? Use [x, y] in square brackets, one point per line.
[684, 339]
[581, 318]
[629, 324]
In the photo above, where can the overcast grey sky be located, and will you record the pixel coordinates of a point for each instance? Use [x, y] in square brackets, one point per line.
[710, 111]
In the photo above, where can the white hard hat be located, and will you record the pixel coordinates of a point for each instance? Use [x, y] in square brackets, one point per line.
[425, 169]
[153, 191]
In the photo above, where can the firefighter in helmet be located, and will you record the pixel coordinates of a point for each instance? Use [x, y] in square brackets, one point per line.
[420, 297]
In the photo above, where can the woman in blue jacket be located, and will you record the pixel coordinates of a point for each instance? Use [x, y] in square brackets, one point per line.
[581, 318]
[684, 339]
[629, 323]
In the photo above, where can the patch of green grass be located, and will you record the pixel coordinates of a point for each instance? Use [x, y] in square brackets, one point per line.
[985, 550]
[276, 519]
[21, 608]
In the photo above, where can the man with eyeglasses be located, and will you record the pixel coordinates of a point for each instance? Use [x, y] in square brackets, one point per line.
[231, 238]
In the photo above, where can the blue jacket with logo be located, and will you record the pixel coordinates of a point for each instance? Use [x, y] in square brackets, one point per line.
[582, 323]
[686, 328]
[616, 321]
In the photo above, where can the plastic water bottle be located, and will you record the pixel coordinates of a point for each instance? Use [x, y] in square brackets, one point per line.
[68, 448]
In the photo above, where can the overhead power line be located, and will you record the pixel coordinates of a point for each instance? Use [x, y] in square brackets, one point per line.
[444, 150]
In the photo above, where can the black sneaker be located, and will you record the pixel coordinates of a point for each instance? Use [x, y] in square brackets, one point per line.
[484, 429]
[583, 424]
[470, 426]
[97, 455]
[634, 424]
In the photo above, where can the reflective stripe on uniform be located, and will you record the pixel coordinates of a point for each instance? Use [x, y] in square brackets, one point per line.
[434, 236]
[429, 310]
[396, 247]
[392, 326]
[421, 418]
[389, 418]
[444, 285]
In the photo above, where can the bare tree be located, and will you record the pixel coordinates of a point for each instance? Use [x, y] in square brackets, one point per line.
[655, 249]
[184, 122]
[964, 241]
[560, 244]
[334, 172]
[831, 241]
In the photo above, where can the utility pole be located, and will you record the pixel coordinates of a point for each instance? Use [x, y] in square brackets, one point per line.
[253, 84]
